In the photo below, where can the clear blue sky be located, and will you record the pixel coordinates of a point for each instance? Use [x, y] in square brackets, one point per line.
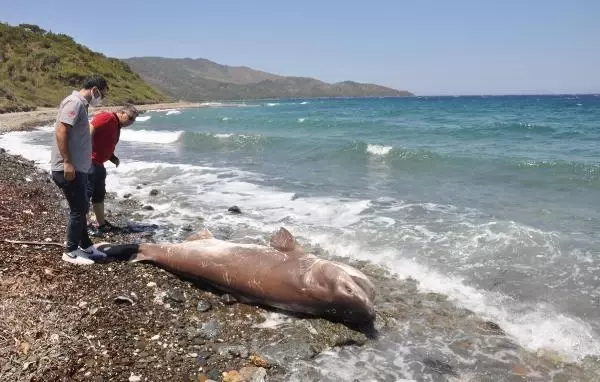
[425, 46]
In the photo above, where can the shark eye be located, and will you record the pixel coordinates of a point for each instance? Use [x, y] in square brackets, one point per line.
[348, 289]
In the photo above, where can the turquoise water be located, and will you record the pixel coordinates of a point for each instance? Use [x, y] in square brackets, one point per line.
[492, 201]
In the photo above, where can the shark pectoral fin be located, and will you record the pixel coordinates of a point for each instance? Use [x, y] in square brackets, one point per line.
[203, 234]
[284, 241]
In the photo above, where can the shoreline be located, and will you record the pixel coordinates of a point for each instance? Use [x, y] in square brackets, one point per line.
[28, 120]
[142, 321]
[399, 302]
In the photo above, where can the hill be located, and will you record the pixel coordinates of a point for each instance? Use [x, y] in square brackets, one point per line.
[203, 80]
[39, 68]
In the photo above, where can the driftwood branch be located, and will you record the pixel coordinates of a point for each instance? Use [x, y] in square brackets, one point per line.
[33, 242]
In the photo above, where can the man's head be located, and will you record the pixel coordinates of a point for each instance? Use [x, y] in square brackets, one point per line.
[95, 89]
[127, 115]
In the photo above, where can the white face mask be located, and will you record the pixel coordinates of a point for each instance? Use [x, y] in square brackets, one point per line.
[95, 101]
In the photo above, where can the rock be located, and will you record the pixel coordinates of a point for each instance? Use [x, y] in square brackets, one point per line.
[214, 374]
[204, 355]
[439, 366]
[138, 187]
[123, 300]
[203, 306]
[231, 351]
[253, 374]
[210, 330]
[493, 328]
[258, 361]
[135, 378]
[176, 295]
[24, 347]
[202, 358]
[151, 284]
[187, 228]
[154, 192]
[228, 299]
[287, 352]
[127, 196]
[519, 370]
[148, 207]
[232, 376]
[234, 210]
[2, 151]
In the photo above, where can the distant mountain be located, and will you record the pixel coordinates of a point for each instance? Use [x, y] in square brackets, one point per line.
[40, 68]
[203, 80]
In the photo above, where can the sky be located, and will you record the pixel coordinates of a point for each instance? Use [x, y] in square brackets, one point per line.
[427, 47]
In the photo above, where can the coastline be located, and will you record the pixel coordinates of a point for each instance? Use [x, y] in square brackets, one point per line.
[34, 279]
[27, 120]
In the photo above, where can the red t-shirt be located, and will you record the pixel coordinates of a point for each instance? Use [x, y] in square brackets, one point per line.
[106, 135]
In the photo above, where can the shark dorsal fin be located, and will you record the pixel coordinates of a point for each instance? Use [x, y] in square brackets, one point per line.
[203, 234]
[284, 241]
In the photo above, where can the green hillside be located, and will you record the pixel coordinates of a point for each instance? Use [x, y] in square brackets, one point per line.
[204, 80]
[39, 68]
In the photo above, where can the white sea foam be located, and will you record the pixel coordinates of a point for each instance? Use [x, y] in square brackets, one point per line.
[150, 136]
[535, 326]
[171, 112]
[18, 143]
[303, 103]
[271, 104]
[143, 118]
[225, 119]
[223, 135]
[378, 149]
[301, 120]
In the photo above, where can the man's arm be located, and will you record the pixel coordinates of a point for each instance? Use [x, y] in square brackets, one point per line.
[62, 140]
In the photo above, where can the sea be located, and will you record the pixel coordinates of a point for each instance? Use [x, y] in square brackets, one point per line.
[491, 201]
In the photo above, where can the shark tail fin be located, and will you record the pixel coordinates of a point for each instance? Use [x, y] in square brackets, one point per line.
[121, 252]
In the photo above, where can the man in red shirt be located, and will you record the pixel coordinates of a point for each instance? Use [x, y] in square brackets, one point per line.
[105, 129]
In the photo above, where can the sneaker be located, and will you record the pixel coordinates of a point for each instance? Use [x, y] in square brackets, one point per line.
[93, 254]
[78, 257]
[107, 227]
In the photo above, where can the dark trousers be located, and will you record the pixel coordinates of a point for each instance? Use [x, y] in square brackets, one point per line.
[96, 186]
[76, 194]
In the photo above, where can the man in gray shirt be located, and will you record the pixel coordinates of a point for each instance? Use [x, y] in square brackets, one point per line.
[71, 162]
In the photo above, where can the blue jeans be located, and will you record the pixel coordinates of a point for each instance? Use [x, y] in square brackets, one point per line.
[76, 194]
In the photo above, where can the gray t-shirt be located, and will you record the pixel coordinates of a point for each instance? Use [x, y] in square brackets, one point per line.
[73, 111]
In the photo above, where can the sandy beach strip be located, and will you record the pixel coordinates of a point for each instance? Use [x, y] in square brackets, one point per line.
[44, 115]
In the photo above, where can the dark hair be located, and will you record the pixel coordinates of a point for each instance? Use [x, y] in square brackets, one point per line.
[95, 81]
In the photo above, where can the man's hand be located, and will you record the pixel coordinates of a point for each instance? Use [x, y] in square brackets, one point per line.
[115, 160]
[69, 171]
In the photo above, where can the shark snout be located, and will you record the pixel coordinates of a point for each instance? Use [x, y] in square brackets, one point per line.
[358, 305]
